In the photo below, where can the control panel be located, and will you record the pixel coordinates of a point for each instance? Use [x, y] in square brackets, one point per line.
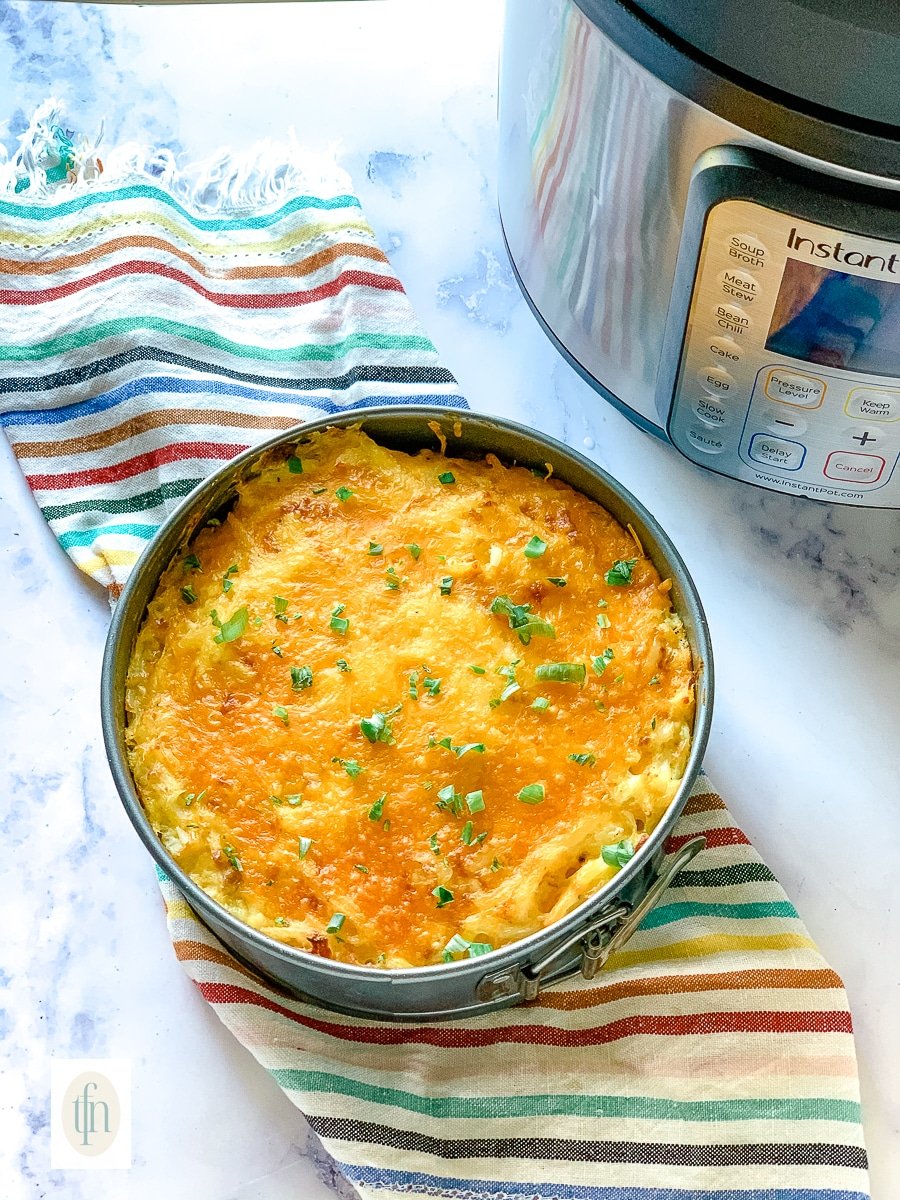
[789, 375]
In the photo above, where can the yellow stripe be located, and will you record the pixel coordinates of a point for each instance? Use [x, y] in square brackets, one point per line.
[95, 563]
[265, 245]
[712, 944]
[179, 910]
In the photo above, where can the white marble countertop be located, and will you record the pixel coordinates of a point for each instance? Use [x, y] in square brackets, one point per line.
[803, 599]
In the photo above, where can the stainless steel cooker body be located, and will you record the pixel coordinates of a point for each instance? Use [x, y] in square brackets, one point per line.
[631, 163]
[583, 939]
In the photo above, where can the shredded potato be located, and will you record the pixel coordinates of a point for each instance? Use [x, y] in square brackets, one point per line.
[321, 757]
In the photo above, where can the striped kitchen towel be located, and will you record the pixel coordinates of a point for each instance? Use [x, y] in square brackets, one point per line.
[152, 325]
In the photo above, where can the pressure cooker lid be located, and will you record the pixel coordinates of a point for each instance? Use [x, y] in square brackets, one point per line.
[837, 55]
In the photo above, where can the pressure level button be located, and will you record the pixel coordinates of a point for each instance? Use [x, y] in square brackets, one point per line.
[790, 387]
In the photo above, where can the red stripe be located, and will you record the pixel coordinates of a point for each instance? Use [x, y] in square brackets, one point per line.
[730, 836]
[388, 283]
[455, 1037]
[175, 452]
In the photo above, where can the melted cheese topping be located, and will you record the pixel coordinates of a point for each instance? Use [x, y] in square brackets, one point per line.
[266, 788]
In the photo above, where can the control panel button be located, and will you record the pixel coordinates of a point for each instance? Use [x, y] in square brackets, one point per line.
[873, 404]
[711, 411]
[725, 350]
[739, 285]
[715, 379]
[854, 468]
[776, 452]
[868, 439]
[746, 248]
[785, 423]
[731, 318]
[790, 387]
[706, 440]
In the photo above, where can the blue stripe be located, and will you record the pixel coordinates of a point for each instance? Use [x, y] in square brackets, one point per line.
[416, 1181]
[34, 212]
[173, 384]
[87, 537]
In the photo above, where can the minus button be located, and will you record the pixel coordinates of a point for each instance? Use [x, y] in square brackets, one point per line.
[784, 423]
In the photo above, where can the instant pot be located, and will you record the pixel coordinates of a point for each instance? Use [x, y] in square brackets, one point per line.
[701, 201]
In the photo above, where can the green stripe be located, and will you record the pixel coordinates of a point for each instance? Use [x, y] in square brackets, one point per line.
[668, 913]
[127, 504]
[51, 212]
[304, 352]
[730, 876]
[87, 537]
[554, 90]
[650, 1108]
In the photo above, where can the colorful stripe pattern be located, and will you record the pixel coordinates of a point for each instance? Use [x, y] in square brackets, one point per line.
[142, 344]
[712, 1060]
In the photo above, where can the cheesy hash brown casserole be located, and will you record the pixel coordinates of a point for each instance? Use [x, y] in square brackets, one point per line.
[395, 710]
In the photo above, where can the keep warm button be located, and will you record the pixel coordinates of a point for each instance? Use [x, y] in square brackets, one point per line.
[854, 468]
[777, 452]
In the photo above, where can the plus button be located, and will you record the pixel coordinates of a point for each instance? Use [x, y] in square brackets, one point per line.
[865, 438]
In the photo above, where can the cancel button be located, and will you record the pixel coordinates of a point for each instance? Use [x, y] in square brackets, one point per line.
[777, 452]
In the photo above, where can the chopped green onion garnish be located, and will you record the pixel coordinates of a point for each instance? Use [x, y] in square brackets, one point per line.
[276, 649]
[295, 466]
[303, 846]
[653, 722]
[444, 895]
[386, 826]
[509, 690]
[352, 768]
[601, 603]
[602, 661]
[317, 491]
[375, 548]
[444, 741]
[343, 665]
[496, 864]
[281, 713]
[541, 703]
[414, 685]
[532, 793]
[475, 801]
[564, 672]
[338, 623]
[335, 924]
[375, 812]
[467, 833]
[281, 609]
[618, 679]
[362, 870]
[301, 677]
[343, 494]
[377, 728]
[392, 580]
[191, 563]
[603, 621]
[232, 857]
[280, 921]
[294, 800]
[556, 580]
[535, 547]
[618, 854]
[476, 949]
[188, 594]
[433, 844]
[414, 550]
[449, 800]
[477, 670]
[619, 574]
[227, 583]
[600, 706]
[446, 585]
[459, 751]
[654, 681]
[457, 944]
[233, 628]
[584, 760]
[522, 620]
[432, 686]
[446, 477]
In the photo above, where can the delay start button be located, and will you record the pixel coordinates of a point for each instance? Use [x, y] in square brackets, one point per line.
[777, 452]
[790, 387]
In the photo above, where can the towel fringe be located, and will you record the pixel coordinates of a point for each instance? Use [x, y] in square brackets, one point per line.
[53, 163]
